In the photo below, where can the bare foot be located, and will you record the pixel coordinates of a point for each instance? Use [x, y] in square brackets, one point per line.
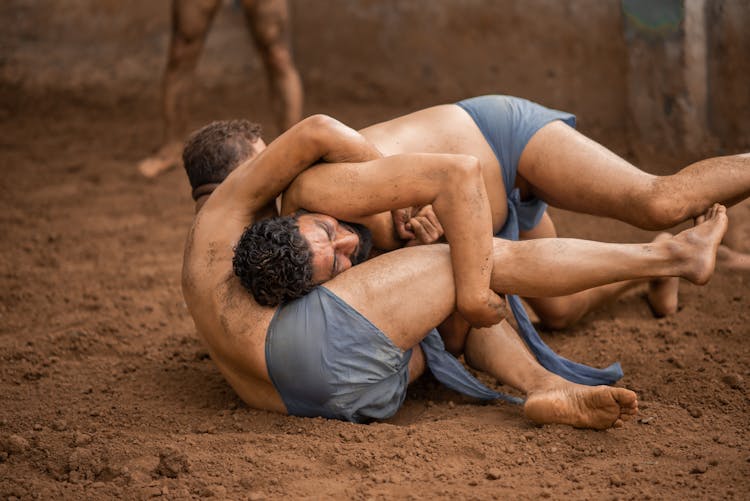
[733, 260]
[662, 292]
[168, 157]
[597, 407]
[698, 245]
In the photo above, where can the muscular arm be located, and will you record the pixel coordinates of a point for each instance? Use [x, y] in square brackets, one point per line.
[454, 186]
[259, 180]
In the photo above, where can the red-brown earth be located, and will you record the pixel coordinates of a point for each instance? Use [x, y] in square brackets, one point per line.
[106, 391]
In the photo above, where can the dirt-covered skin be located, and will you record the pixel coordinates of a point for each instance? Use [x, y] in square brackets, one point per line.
[106, 392]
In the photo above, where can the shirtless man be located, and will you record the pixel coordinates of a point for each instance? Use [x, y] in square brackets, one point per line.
[360, 343]
[529, 153]
[268, 21]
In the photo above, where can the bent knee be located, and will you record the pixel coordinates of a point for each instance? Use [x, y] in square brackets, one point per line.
[663, 206]
[558, 322]
[559, 313]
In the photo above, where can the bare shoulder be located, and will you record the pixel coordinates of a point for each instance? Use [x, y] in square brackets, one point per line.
[209, 245]
[231, 323]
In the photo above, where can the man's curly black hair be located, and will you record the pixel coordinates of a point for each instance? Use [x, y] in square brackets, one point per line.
[273, 261]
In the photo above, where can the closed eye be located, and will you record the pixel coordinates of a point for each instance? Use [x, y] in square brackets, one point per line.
[329, 231]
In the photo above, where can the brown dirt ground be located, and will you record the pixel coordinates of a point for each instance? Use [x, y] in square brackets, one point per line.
[106, 392]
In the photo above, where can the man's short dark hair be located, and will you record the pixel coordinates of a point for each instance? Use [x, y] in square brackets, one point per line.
[273, 260]
[215, 150]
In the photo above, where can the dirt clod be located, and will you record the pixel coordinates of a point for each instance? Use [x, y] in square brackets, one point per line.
[494, 474]
[172, 463]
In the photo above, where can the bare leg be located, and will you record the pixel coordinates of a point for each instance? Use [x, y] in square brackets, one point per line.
[572, 172]
[738, 235]
[555, 267]
[733, 254]
[531, 268]
[269, 23]
[191, 20]
[563, 311]
[499, 352]
[561, 266]
[663, 292]
[733, 260]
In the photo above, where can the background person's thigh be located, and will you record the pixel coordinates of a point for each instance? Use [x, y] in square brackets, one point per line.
[268, 21]
[405, 293]
[570, 171]
[191, 19]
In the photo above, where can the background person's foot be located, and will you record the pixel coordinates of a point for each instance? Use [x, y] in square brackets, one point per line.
[167, 157]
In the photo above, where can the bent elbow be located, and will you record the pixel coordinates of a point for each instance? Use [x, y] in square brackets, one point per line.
[319, 121]
[467, 168]
[321, 131]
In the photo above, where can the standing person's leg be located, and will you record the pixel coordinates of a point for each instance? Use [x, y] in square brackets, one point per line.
[570, 171]
[269, 23]
[191, 20]
[563, 311]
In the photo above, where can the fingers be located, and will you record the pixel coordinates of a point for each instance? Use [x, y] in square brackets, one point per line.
[429, 214]
[425, 226]
[400, 219]
[424, 230]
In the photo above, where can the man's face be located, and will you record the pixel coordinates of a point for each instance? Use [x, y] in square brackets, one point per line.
[336, 246]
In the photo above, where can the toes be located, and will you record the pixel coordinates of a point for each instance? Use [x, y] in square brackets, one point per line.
[626, 397]
[629, 411]
[628, 415]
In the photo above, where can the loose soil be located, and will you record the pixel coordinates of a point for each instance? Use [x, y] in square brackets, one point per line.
[106, 391]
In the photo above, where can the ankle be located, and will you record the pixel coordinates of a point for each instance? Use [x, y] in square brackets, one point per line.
[544, 383]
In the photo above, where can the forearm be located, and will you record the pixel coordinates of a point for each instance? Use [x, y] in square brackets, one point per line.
[453, 184]
[463, 208]
[258, 180]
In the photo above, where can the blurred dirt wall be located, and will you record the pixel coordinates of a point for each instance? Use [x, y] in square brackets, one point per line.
[571, 55]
